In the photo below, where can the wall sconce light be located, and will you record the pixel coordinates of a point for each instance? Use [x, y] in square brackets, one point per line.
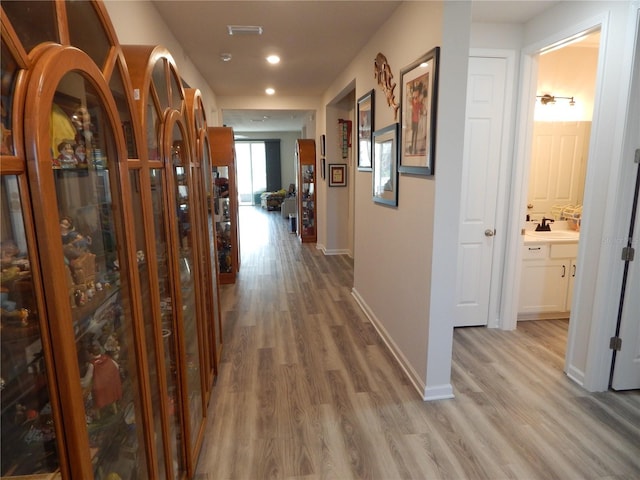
[551, 99]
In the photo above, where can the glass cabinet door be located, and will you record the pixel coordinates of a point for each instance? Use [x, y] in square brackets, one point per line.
[28, 442]
[186, 274]
[83, 166]
[222, 216]
[168, 324]
[151, 329]
[307, 220]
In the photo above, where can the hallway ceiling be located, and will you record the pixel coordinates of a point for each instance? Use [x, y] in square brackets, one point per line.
[316, 40]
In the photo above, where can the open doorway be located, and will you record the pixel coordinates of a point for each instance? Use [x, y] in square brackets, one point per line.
[252, 172]
[565, 93]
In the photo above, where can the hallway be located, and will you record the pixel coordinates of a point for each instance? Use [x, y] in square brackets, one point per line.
[306, 388]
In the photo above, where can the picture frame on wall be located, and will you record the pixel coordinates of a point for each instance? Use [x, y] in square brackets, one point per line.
[366, 115]
[337, 175]
[385, 165]
[323, 169]
[418, 114]
[323, 147]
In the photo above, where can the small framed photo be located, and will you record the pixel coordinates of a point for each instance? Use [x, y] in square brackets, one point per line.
[323, 169]
[323, 147]
[366, 115]
[385, 165]
[337, 175]
[418, 114]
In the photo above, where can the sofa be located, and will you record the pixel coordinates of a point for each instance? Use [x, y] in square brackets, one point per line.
[272, 200]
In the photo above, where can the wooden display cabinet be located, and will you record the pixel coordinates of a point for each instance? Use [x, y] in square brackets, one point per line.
[185, 285]
[105, 368]
[306, 190]
[83, 408]
[203, 180]
[225, 205]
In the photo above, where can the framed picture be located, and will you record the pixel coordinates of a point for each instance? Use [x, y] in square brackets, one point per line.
[323, 140]
[323, 169]
[365, 130]
[385, 165]
[418, 109]
[337, 175]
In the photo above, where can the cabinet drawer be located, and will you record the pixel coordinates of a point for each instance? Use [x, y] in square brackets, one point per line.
[564, 250]
[535, 251]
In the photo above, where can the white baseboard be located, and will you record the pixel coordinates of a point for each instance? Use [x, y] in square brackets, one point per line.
[575, 374]
[417, 382]
[439, 392]
[333, 252]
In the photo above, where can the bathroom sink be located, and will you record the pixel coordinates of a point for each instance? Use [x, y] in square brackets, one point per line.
[556, 235]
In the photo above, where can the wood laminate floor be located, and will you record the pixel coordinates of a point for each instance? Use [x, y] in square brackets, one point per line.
[306, 389]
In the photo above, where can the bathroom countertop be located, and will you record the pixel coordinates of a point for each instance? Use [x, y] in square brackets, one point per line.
[554, 236]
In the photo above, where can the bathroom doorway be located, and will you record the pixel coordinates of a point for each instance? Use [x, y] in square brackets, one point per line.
[560, 137]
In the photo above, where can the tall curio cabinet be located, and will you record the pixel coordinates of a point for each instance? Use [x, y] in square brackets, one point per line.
[103, 369]
[202, 174]
[225, 204]
[185, 282]
[306, 178]
[74, 365]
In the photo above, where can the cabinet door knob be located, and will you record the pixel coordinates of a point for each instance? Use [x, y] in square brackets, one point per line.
[489, 233]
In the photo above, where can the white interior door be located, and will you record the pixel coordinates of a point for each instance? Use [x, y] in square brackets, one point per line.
[558, 165]
[626, 373]
[481, 165]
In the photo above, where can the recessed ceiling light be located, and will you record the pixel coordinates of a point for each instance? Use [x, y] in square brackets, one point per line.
[225, 57]
[269, 91]
[273, 59]
[244, 29]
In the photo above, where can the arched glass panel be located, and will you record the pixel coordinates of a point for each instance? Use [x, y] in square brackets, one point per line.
[28, 442]
[84, 171]
[186, 217]
[150, 328]
[158, 200]
[160, 83]
[86, 30]
[176, 91]
[34, 21]
[7, 89]
[153, 129]
[209, 191]
[119, 95]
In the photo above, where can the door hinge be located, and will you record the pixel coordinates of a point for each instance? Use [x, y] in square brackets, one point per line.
[628, 254]
[636, 157]
[615, 343]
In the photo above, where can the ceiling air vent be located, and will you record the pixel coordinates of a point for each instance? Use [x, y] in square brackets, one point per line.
[244, 29]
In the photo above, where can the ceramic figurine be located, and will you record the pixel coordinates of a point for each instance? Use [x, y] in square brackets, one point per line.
[66, 155]
[103, 375]
[79, 297]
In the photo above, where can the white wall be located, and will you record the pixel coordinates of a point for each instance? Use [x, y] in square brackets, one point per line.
[334, 222]
[568, 72]
[398, 251]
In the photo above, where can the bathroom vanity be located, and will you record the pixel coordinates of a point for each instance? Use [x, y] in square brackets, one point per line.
[548, 272]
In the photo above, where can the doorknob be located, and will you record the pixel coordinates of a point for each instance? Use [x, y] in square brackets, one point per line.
[489, 233]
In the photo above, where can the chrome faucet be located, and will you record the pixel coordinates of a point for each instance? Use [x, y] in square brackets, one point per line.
[544, 226]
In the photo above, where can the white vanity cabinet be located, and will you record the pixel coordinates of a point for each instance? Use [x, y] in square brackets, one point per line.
[548, 272]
